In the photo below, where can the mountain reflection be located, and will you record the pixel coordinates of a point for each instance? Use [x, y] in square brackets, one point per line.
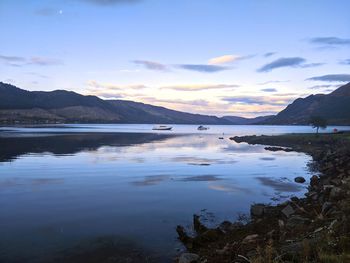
[12, 147]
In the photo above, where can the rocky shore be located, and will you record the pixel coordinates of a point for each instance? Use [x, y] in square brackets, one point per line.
[311, 229]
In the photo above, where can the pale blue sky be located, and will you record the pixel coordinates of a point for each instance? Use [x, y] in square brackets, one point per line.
[163, 52]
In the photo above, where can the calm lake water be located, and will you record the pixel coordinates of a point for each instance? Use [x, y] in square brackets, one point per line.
[67, 188]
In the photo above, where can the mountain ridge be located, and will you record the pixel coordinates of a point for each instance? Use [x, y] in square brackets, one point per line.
[334, 107]
[61, 106]
[18, 105]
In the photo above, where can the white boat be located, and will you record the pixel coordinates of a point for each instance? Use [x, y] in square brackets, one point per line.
[202, 128]
[162, 128]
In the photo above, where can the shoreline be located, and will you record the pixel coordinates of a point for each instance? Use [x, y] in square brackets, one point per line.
[315, 228]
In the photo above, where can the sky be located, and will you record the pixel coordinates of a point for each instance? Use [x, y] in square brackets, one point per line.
[218, 57]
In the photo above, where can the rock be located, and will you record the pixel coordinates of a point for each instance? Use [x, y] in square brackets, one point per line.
[209, 235]
[295, 221]
[314, 181]
[280, 223]
[250, 239]
[299, 179]
[288, 211]
[224, 250]
[227, 226]
[257, 210]
[198, 226]
[335, 193]
[188, 258]
[184, 238]
[326, 207]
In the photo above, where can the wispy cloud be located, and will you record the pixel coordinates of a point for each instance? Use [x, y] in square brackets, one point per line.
[345, 62]
[48, 12]
[203, 68]
[94, 85]
[293, 62]
[11, 59]
[226, 59]
[332, 78]
[330, 41]
[269, 54]
[110, 2]
[151, 65]
[272, 82]
[200, 87]
[21, 61]
[258, 100]
[43, 61]
[269, 90]
[282, 62]
[323, 86]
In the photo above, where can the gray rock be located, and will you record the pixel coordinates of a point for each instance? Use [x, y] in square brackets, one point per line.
[188, 258]
[257, 210]
[335, 193]
[288, 211]
[299, 179]
[326, 207]
[250, 238]
[295, 221]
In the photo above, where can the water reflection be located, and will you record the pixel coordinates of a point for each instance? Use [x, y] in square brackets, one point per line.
[58, 190]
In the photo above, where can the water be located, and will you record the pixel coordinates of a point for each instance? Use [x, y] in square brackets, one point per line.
[178, 129]
[63, 186]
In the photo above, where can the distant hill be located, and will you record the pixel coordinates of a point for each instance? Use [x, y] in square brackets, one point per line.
[247, 121]
[21, 106]
[335, 107]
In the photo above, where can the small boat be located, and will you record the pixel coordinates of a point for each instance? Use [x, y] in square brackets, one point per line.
[202, 128]
[162, 128]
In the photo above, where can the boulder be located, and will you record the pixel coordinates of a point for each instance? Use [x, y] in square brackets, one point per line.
[188, 258]
[335, 193]
[257, 210]
[326, 207]
[296, 221]
[299, 179]
[288, 211]
[198, 226]
[250, 239]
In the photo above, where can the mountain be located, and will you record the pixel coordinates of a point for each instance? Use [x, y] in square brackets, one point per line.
[246, 121]
[334, 107]
[18, 105]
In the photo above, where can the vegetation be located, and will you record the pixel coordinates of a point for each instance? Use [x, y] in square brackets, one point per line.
[318, 122]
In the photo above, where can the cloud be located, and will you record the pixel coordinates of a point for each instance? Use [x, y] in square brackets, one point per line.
[332, 78]
[272, 81]
[11, 59]
[283, 62]
[203, 68]
[42, 61]
[225, 59]
[312, 65]
[345, 62]
[48, 12]
[200, 87]
[151, 65]
[200, 103]
[21, 61]
[269, 54]
[94, 85]
[323, 86]
[258, 100]
[269, 90]
[110, 2]
[330, 41]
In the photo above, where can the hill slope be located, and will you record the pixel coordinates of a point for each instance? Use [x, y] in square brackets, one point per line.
[335, 107]
[17, 105]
